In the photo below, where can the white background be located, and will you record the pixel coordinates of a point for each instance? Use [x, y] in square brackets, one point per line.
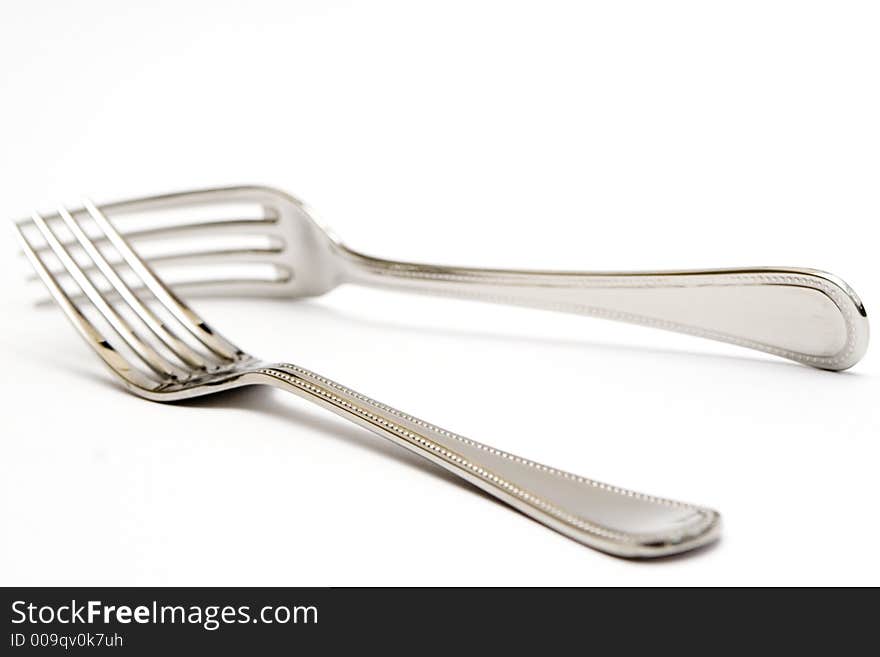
[549, 135]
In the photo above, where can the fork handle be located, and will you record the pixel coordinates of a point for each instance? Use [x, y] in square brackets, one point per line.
[608, 518]
[804, 315]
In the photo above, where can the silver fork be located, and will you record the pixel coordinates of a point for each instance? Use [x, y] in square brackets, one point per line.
[181, 357]
[805, 315]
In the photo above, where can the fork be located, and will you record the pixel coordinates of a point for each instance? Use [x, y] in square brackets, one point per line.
[805, 315]
[171, 353]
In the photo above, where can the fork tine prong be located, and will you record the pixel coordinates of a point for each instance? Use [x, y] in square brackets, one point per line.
[143, 350]
[192, 322]
[247, 257]
[105, 351]
[192, 230]
[175, 344]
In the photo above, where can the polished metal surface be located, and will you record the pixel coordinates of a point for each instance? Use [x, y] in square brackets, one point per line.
[161, 350]
[805, 315]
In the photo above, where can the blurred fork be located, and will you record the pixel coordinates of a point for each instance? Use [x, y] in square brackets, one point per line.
[804, 315]
[181, 357]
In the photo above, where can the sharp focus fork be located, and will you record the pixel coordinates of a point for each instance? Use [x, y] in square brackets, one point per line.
[163, 351]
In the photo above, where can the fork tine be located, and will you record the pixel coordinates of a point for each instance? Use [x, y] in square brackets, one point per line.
[198, 286]
[193, 323]
[143, 350]
[243, 256]
[175, 344]
[192, 230]
[105, 351]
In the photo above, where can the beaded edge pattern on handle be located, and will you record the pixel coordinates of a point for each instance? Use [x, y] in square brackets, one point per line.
[296, 376]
